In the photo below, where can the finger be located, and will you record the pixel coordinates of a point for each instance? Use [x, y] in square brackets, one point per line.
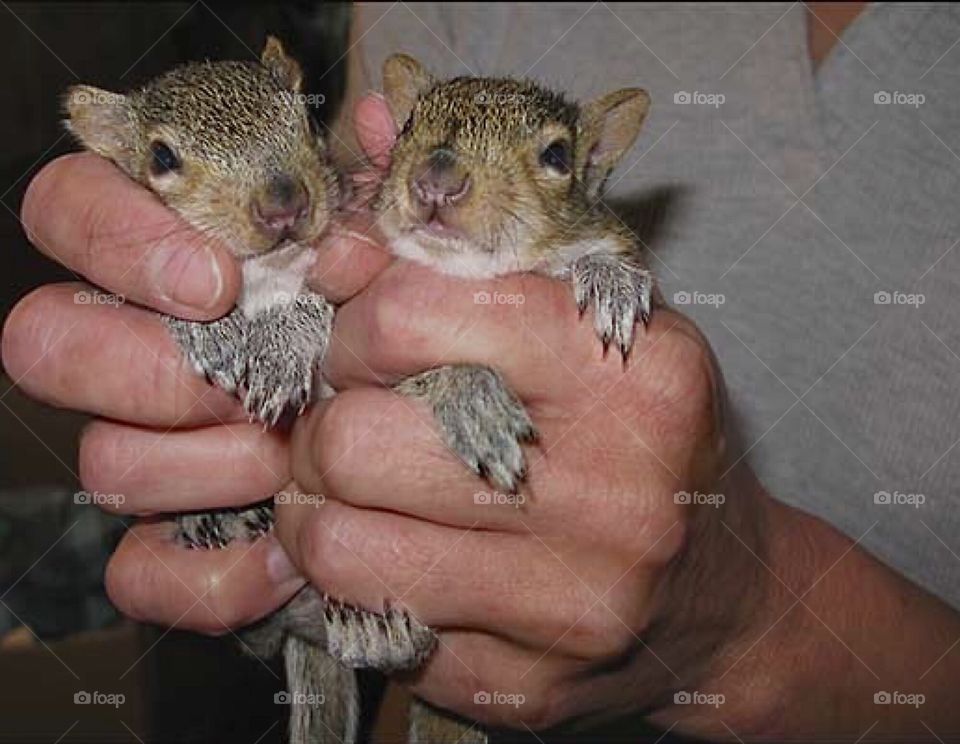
[510, 585]
[118, 362]
[153, 578]
[351, 254]
[347, 449]
[166, 471]
[376, 130]
[372, 449]
[412, 318]
[350, 257]
[85, 213]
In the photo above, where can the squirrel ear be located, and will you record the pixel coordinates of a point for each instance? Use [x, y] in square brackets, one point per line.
[609, 127]
[404, 79]
[101, 120]
[285, 69]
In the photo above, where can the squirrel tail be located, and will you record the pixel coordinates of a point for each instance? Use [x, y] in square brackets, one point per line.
[324, 697]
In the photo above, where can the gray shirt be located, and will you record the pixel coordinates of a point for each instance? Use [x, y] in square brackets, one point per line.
[808, 226]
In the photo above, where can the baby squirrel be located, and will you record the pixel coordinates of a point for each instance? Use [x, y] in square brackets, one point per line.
[493, 176]
[499, 176]
[231, 147]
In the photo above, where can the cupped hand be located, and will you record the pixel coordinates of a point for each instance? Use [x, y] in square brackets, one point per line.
[163, 438]
[610, 581]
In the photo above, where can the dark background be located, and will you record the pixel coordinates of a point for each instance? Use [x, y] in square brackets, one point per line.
[185, 688]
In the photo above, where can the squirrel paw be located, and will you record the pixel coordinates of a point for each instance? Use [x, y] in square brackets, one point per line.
[285, 346]
[218, 529]
[357, 638]
[481, 420]
[388, 642]
[275, 385]
[621, 291]
[213, 349]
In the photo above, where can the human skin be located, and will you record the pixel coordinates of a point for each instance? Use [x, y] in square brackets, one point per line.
[711, 592]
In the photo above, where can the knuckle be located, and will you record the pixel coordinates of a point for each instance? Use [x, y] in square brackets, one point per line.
[168, 380]
[121, 580]
[604, 632]
[42, 189]
[20, 332]
[332, 437]
[321, 552]
[542, 709]
[395, 331]
[32, 330]
[539, 704]
[690, 357]
[655, 536]
[96, 458]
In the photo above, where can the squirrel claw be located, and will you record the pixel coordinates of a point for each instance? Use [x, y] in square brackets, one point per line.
[621, 293]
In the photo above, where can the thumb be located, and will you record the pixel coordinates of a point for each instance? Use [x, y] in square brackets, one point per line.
[376, 131]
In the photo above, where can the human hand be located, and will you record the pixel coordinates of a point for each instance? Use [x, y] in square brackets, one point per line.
[160, 429]
[603, 593]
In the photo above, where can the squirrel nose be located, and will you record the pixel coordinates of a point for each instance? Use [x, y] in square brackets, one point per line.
[282, 206]
[440, 179]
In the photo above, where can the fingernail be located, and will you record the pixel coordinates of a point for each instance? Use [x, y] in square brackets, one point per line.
[280, 568]
[190, 276]
[343, 238]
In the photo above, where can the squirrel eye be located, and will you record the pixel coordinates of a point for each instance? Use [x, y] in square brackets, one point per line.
[556, 156]
[163, 160]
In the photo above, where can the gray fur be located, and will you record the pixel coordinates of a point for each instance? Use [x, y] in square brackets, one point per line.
[324, 697]
[482, 422]
[213, 348]
[429, 725]
[620, 292]
[285, 346]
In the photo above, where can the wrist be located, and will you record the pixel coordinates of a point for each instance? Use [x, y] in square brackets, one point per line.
[834, 628]
[720, 597]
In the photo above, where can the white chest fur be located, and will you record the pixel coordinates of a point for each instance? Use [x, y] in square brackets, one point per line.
[274, 279]
[478, 264]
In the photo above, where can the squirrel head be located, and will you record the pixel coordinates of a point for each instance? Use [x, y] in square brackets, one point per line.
[489, 175]
[228, 145]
